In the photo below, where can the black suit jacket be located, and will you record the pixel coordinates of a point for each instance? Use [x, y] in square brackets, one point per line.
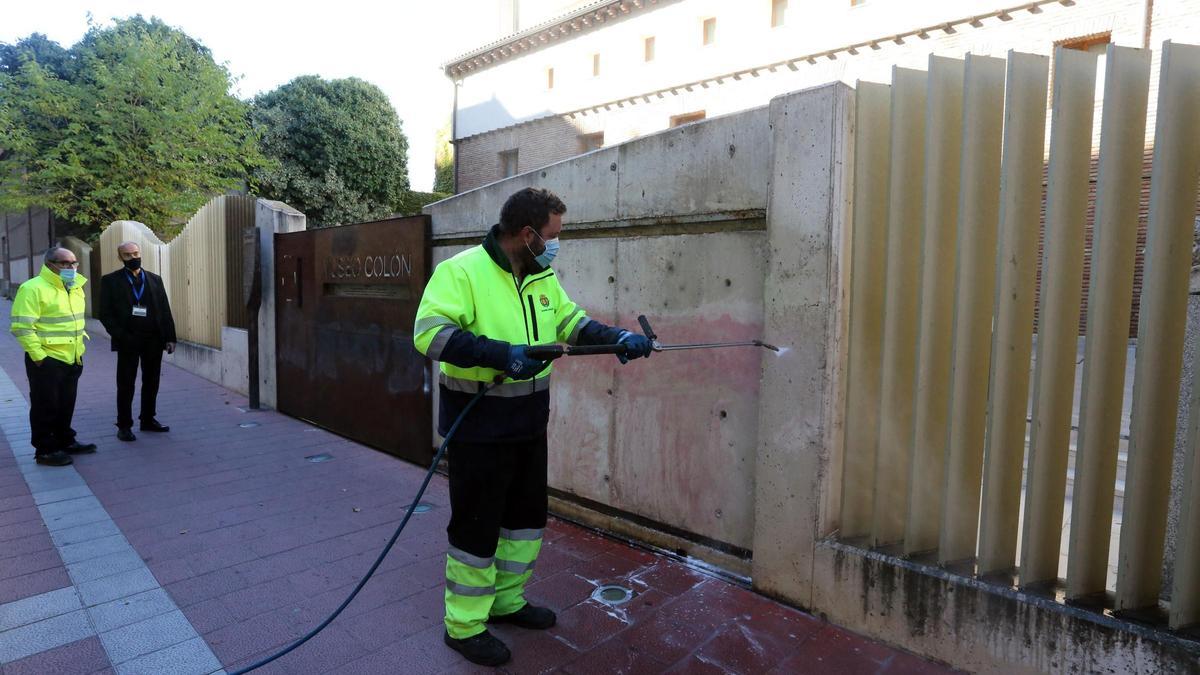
[116, 307]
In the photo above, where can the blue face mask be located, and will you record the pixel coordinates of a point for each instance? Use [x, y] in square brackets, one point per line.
[67, 276]
[547, 256]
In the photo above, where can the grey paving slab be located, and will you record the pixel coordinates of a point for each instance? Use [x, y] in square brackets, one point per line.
[93, 548]
[135, 608]
[38, 607]
[41, 478]
[147, 636]
[120, 585]
[77, 519]
[37, 637]
[52, 496]
[105, 566]
[69, 506]
[186, 658]
[84, 533]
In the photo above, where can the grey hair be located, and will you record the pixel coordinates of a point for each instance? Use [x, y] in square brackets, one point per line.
[50, 253]
[128, 243]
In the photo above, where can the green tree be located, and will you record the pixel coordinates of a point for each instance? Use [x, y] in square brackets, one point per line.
[37, 47]
[443, 161]
[339, 151]
[145, 129]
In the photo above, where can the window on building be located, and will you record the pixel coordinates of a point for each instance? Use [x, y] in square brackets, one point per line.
[778, 12]
[589, 142]
[549, 78]
[595, 65]
[1096, 44]
[508, 163]
[710, 30]
[686, 118]
[648, 54]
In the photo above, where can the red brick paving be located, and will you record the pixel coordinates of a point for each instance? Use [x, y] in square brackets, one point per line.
[256, 545]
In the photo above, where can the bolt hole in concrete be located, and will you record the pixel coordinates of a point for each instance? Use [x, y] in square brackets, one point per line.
[724, 414]
[316, 459]
[612, 595]
[248, 425]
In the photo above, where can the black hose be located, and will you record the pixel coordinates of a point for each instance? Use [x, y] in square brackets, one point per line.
[383, 554]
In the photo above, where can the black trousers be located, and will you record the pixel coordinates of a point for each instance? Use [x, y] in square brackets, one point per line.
[52, 389]
[148, 352]
[493, 486]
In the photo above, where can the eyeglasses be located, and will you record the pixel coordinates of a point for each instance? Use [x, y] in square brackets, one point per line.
[65, 263]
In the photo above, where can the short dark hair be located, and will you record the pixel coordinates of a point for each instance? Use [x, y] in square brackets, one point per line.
[530, 207]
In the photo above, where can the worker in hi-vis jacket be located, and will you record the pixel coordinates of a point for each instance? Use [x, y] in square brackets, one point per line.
[480, 311]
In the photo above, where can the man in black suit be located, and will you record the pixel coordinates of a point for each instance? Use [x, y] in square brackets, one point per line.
[135, 312]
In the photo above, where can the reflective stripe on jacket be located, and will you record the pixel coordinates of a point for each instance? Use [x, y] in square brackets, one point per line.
[48, 320]
[472, 292]
[472, 310]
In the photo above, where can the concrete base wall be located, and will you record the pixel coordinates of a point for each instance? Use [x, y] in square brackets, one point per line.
[671, 439]
[225, 366]
[982, 628]
[735, 456]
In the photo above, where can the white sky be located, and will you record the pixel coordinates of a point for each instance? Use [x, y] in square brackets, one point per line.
[398, 45]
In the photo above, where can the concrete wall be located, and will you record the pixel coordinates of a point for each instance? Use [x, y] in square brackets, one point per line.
[687, 250]
[270, 217]
[735, 457]
[225, 366]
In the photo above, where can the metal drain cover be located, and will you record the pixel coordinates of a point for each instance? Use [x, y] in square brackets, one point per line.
[248, 425]
[612, 595]
[423, 507]
[323, 457]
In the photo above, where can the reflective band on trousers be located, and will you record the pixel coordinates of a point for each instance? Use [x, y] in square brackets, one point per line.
[470, 560]
[513, 567]
[469, 591]
[520, 535]
[506, 390]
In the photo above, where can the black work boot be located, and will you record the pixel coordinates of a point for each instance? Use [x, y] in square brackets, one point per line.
[125, 434]
[528, 616]
[484, 649]
[56, 458]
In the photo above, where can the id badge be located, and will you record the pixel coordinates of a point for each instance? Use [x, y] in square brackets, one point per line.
[138, 310]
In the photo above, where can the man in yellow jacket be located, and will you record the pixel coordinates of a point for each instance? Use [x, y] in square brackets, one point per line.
[480, 312]
[48, 321]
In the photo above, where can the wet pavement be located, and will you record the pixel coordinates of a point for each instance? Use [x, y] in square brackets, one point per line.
[212, 546]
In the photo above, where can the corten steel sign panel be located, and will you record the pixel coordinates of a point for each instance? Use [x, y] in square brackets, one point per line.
[346, 300]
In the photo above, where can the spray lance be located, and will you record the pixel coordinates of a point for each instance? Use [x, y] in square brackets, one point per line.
[541, 353]
[551, 352]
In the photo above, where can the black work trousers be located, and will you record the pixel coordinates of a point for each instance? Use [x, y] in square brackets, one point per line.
[52, 389]
[148, 352]
[493, 486]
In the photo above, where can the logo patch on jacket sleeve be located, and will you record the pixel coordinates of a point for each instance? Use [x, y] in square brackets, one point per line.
[544, 300]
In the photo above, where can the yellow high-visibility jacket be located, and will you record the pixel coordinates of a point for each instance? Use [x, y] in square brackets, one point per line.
[472, 310]
[48, 320]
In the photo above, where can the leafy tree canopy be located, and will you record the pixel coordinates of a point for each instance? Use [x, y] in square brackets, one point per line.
[138, 124]
[338, 151]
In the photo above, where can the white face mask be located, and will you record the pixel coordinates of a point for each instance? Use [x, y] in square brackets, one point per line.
[547, 256]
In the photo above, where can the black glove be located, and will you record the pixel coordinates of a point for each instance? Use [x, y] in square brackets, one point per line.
[636, 346]
[520, 366]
